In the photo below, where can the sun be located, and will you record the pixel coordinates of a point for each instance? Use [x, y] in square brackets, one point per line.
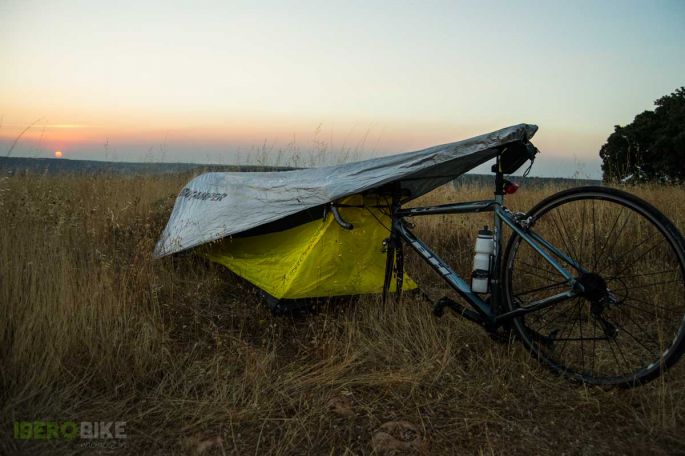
[58, 154]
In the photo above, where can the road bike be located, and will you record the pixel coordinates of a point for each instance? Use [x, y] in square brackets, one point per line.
[591, 279]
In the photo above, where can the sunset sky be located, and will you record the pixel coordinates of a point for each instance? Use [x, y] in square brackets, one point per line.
[226, 82]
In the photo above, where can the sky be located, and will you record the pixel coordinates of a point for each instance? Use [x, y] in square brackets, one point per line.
[311, 83]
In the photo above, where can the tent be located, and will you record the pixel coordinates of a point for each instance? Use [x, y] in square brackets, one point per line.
[269, 227]
[314, 259]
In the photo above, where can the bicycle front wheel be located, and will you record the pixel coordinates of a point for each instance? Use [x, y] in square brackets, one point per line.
[628, 325]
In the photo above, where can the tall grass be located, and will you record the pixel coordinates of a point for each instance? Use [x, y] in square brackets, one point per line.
[91, 328]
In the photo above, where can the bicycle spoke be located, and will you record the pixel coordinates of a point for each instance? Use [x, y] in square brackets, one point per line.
[627, 314]
[581, 257]
[582, 349]
[546, 287]
[636, 340]
[563, 238]
[618, 347]
[640, 309]
[612, 278]
[556, 317]
[541, 313]
[665, 309]
[619, 259]
[577, 339]
[594, 237]
[594, 345]
[629, 249]
[613, 353]
[617, 236]
[570, 331]
[535, 275]
[569, 252]
[651, 284]
[548, 271]
[606, 240]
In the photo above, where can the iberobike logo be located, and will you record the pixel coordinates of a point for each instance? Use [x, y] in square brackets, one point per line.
[69, 430]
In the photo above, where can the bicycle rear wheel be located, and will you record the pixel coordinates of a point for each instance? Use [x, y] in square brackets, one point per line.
[628, 325]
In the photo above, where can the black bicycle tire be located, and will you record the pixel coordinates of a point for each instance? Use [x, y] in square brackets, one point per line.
[661, 222]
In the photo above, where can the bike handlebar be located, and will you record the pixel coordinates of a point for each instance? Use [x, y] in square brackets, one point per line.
[336, 215]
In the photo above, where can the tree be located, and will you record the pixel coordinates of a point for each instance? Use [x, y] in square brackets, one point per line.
[652, 147]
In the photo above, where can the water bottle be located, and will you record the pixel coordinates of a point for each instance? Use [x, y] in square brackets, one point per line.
[485, 248]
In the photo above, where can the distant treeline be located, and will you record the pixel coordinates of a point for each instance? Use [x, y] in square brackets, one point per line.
[20, 165]
[487, 180]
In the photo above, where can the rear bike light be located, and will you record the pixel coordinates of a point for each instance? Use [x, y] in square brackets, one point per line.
[510, 187]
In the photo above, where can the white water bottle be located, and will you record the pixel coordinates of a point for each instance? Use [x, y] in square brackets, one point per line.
[485, 248]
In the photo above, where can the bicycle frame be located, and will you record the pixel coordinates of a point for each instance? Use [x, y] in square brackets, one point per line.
[485, 309]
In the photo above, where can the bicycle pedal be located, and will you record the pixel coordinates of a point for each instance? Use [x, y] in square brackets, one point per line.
[439, 310]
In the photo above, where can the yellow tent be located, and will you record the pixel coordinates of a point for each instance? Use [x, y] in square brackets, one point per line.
[315, 259]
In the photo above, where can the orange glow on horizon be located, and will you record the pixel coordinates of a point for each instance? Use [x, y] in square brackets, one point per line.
[272, 133]
[247, 132]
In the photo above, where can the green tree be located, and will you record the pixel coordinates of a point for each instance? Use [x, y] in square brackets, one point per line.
[652, 147]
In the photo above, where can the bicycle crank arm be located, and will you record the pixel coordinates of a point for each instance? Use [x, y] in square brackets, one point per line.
[439, 311]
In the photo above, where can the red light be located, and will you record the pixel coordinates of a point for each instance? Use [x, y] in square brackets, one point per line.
[510, 188]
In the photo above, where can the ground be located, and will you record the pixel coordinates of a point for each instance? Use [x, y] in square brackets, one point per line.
[94, 329]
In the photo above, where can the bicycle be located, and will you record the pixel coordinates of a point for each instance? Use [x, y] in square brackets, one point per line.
[599, 301]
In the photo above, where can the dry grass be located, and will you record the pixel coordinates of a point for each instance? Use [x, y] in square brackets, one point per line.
[91, 328]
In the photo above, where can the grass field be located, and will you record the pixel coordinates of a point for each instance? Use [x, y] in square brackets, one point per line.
[93, 329]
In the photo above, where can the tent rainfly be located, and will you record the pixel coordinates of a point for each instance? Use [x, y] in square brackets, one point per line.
[269, 227]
